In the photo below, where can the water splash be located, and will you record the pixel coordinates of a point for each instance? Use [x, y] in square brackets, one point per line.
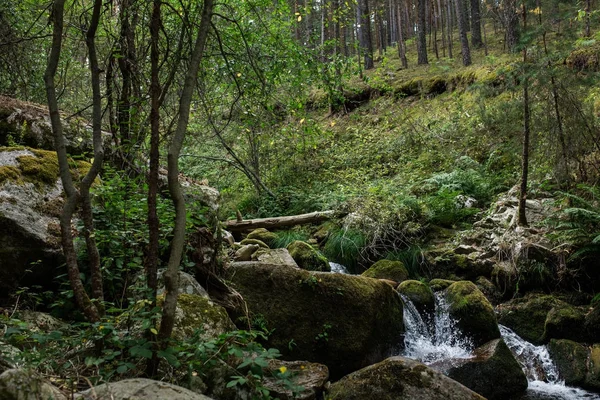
[338, 268]
[542, 373]
[433, 339]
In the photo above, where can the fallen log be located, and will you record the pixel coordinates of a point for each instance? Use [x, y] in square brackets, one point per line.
[278, 222]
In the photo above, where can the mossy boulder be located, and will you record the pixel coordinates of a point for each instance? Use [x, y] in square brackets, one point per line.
[592, 378]
[343, 321]
[570, 358]
[419, 294]
[527, 316]
[307, 257]
[565, 322]
[196, 313]
[141, 389]
[264, 236]
[473, 312]
[493, 372]
[387, 269]
[592, 322]
[438, 285]
[31, 200]
[20, 384]
[9, 356]
[257, 242]
[489, 290]
[399, 378]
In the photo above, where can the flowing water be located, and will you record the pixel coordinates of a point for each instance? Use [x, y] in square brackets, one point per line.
[339, 268]
[432, 339]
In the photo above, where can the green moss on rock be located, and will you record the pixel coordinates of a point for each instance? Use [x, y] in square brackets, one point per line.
[10, 173]
[387, 269]
[565, 322]
[440, 284]
[474, 313]
[343, 321]
[527, 316]
[420, 294]
[570, 358]
[399, 378]
[307, 257]
[263, 235]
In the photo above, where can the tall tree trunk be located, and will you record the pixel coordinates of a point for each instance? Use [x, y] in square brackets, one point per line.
[422, 32]
[476, 39]
[401, 43]
[449, 26]
[91, 312]
[178, 242]
[588, 10]
[364, 33]
[511, 24]
[442, 30]
[522, 216]
[464, 42]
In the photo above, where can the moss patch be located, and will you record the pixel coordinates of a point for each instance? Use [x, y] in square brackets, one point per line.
[419, 293]
[474, 313]
[260, 243]
[263, 235]
[387, 269]
[307, 257]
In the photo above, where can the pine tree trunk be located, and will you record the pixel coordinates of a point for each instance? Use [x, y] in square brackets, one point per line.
[401, 43]
[464, 42]
[522, 216]
[364, 33]
[422, 32]
[476, 24]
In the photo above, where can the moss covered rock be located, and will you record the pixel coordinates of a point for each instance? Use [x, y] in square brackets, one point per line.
[31, 200]
[527, 316]
[257, 242]
[592, 378]
[307, 257]
[196, 313]
[570, 358]
[399, 378]
[419, 294]
[20, 384]
[387, 269]
[473, 312]
[565, 322]
[141, 389]
[345, 322]
[264, 236]
[440, 284]
[493, 372]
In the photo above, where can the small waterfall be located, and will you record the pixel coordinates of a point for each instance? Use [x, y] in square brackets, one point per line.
[338, 268]
[438, 339]
[434, 340]
[541, 372]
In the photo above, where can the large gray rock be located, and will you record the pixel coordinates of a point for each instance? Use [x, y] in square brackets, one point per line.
[275, 256]
[140, 389]
[9, 356]
[493, 372]
[399, 378]
[30, 202]
[20, 384]
[345, 322]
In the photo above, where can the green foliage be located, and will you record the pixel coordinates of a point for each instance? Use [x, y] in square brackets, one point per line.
[412, 258]
[346, 247]
[578, 222]
[284, 238]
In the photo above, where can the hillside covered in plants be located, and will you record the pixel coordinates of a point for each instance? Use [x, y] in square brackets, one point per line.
[315, 199]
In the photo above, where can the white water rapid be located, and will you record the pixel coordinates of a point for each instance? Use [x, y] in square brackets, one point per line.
[338, 268]
[440, 339]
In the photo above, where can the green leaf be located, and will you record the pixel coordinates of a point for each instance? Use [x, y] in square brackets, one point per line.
[140, 351]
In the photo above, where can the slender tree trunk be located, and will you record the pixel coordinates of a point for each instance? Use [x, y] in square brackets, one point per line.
[511, 23]
[421, 32]
[89, 309]
[449, 19]
[364, 32]
[178, 242]
[476, 24]
[464, 42]
[442, 30]
[522, 216]
[588, 10]
[401, 43]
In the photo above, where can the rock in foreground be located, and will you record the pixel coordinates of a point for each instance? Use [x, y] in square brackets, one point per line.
[399, 378]
[345, 322]
[140, 389]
